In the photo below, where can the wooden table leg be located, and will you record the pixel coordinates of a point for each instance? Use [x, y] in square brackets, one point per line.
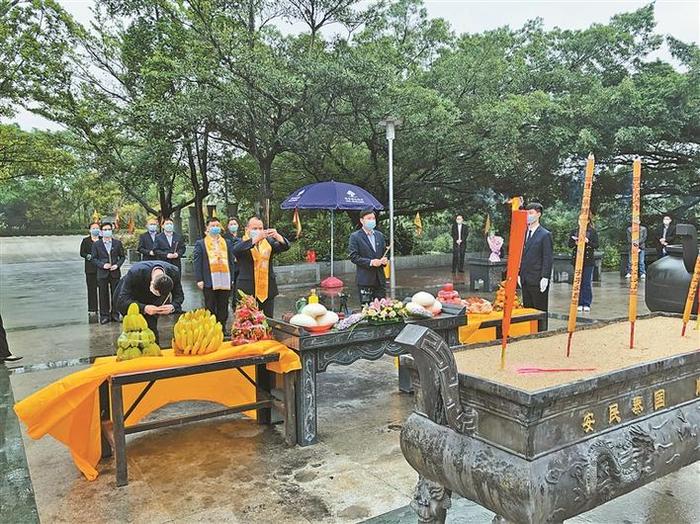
[119, 436]
[104, 419]
[264, 380]
[306, 400]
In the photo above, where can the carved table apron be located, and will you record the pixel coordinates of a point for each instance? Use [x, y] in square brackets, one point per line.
[365, 342]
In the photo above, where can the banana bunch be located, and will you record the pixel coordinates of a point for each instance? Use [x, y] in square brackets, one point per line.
[197, 333]
[136, 340]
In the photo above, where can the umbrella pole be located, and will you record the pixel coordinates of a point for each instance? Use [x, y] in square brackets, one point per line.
[332, 233]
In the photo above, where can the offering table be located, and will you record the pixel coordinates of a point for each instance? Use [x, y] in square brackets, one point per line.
[360, 342]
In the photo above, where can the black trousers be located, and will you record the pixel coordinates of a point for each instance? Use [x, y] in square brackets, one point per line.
[534, 298]
[91, 282]
[107, 287]
[4, 346]
[216, 301]
[369, 293]
[458, 251]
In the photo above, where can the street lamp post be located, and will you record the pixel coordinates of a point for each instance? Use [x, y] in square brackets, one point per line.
[391, 123]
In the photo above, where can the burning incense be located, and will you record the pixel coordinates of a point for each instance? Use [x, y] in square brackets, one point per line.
[518, 226]
[580, 248]
[634, 254]
[691, 296]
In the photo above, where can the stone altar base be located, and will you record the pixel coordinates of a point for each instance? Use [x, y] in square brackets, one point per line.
[548, 455]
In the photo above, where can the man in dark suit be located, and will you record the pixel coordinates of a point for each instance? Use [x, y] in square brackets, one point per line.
[231, 235]
[170, 246]
[108, 256]
[536, 264]
[5, 355]
[664, 235]
[155, 286]
[366, 247]
[459, 244]
[147, 241]
[90, 270]
[254, 254]
[214, 265]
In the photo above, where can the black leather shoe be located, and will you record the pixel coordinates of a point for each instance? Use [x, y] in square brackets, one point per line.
[104, 321]
[12, 358]
[115, 318]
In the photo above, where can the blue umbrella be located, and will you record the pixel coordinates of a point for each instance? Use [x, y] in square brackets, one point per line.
[331, 195]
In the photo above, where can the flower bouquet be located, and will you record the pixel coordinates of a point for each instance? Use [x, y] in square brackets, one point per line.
[249, 323]
[384, 311]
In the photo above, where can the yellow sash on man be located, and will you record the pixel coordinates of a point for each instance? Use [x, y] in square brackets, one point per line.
[217, 251]
[261, 267]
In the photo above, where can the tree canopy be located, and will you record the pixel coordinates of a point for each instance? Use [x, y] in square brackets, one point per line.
[177, 101]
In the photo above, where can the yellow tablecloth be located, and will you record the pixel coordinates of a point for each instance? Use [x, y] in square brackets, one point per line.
[68, 409]
[473, 333]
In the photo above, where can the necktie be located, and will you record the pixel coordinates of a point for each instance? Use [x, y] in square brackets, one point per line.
[529, 235]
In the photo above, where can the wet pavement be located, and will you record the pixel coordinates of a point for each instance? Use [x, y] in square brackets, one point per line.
[231, 469]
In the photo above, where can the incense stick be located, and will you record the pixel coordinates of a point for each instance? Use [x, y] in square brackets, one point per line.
[691, 295]
[634, 252]
[516, 243]
[580, 248]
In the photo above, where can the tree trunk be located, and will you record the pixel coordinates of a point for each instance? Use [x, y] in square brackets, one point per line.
[265, 189]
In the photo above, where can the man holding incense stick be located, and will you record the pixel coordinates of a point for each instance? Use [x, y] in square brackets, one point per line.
[536, 265]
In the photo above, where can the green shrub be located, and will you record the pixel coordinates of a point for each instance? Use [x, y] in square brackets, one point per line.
[442, 243]
[611, 257]
[293, 255]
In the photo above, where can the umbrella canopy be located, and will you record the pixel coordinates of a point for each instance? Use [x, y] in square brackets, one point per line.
[331, 195]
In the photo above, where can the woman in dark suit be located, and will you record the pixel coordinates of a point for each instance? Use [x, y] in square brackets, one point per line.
[585, 298]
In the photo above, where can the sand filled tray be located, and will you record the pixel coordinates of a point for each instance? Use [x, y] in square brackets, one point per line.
[605, 348]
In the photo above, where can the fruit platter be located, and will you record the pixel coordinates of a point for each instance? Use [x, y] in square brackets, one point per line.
[136, 339]
[249, 323]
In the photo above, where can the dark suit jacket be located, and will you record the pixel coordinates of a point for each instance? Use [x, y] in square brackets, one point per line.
[146, 245]
[245, 264]
[670, 237]
[162, 248]
[200, 263]
[538, 255]
[361, 253]
[135, 287]
[86, 253]
[463, 245]
[100, 257]
[591, 246]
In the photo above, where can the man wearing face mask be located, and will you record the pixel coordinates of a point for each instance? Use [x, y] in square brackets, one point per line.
[536, 264]
[147, 241]
[366, 248]
[459, 244]
[214, 265]
[90, 270]
[665, 236]
[254, 255]
[155, 286]
[108, 256]
[169, 245]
